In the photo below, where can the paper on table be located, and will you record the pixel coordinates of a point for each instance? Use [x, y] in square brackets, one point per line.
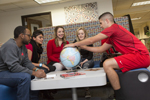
[50, 75]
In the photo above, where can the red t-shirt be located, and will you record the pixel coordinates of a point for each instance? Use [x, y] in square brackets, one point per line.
[53, 52]
[124, 41]
[29, 46]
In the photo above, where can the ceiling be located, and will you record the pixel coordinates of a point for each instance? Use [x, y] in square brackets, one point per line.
[120, 8]
[123, 7]
[9, 5]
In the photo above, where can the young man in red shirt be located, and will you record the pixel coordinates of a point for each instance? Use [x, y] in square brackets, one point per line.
[135, 54]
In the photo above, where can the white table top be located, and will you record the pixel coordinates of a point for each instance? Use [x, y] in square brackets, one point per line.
[92, 78]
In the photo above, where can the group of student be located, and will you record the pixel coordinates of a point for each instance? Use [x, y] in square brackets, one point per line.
[54, 48]
[19, 57]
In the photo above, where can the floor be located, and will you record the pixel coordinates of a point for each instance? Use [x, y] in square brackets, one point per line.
[97, 93]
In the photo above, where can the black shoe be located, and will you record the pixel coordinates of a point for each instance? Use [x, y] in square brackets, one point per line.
[87, 94]
[111, 96]
[48, 96]
[119, 95]
[53, 91]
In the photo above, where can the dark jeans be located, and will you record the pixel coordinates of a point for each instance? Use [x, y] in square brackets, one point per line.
[87, 64]
[21, 81]
[52, 68]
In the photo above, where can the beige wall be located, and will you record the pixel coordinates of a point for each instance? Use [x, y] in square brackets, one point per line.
[10, 20]
[141, 31]
[144, 39]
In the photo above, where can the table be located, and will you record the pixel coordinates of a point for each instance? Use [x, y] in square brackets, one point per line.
[92, 78]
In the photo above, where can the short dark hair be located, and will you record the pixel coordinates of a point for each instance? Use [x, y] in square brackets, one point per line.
[18, 30]
[111, 17]
[36, 33]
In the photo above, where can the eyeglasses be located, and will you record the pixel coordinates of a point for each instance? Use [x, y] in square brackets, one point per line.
[28, 35]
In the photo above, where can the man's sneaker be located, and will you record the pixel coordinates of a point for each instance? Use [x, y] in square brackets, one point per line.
[87, 94]
[111, 96]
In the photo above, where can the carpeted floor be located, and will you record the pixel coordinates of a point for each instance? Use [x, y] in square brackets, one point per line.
[97, 93]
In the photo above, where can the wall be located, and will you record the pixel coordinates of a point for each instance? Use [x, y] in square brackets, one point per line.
[144, 39]
[92, 28]
[141, 31]
[10, 20]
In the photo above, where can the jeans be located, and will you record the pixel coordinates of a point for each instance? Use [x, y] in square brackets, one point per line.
[87, 64]
[34, 94]
[21, 81]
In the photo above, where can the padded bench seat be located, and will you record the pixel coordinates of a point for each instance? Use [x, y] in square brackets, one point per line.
[135, 84]
[7, 93]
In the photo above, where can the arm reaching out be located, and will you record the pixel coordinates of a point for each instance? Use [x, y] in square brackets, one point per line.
[88, 41]
[100, 49]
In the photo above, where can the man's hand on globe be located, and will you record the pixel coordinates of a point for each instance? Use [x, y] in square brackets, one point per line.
[69, 45]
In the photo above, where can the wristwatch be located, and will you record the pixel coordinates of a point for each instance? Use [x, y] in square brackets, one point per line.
[40, 65]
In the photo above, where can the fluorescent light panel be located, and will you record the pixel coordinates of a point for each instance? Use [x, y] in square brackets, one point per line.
[45, 1]
[141, 3]
[136, 18]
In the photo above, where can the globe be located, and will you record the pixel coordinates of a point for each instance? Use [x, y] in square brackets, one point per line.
[70, 57]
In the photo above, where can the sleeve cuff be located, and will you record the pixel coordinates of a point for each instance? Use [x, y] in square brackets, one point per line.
[30, 72]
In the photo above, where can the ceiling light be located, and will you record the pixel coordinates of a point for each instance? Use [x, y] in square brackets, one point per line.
[136, 18]
[141, 3]
[45, 1]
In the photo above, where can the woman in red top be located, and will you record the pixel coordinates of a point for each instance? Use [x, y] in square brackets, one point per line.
[54, 48]
[34, 49]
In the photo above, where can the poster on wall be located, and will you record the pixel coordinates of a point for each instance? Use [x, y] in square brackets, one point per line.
[81, 13]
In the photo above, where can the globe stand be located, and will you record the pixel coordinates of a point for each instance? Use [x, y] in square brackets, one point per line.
[71, 70]
[78, 67]
[74, 69]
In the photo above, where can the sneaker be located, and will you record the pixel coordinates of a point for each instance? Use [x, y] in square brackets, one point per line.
[46, 95]
[54, 91]
[111, 96]
[87, 94]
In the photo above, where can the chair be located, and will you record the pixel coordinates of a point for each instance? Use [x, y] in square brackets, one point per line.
[7, 93]
[135, 84]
